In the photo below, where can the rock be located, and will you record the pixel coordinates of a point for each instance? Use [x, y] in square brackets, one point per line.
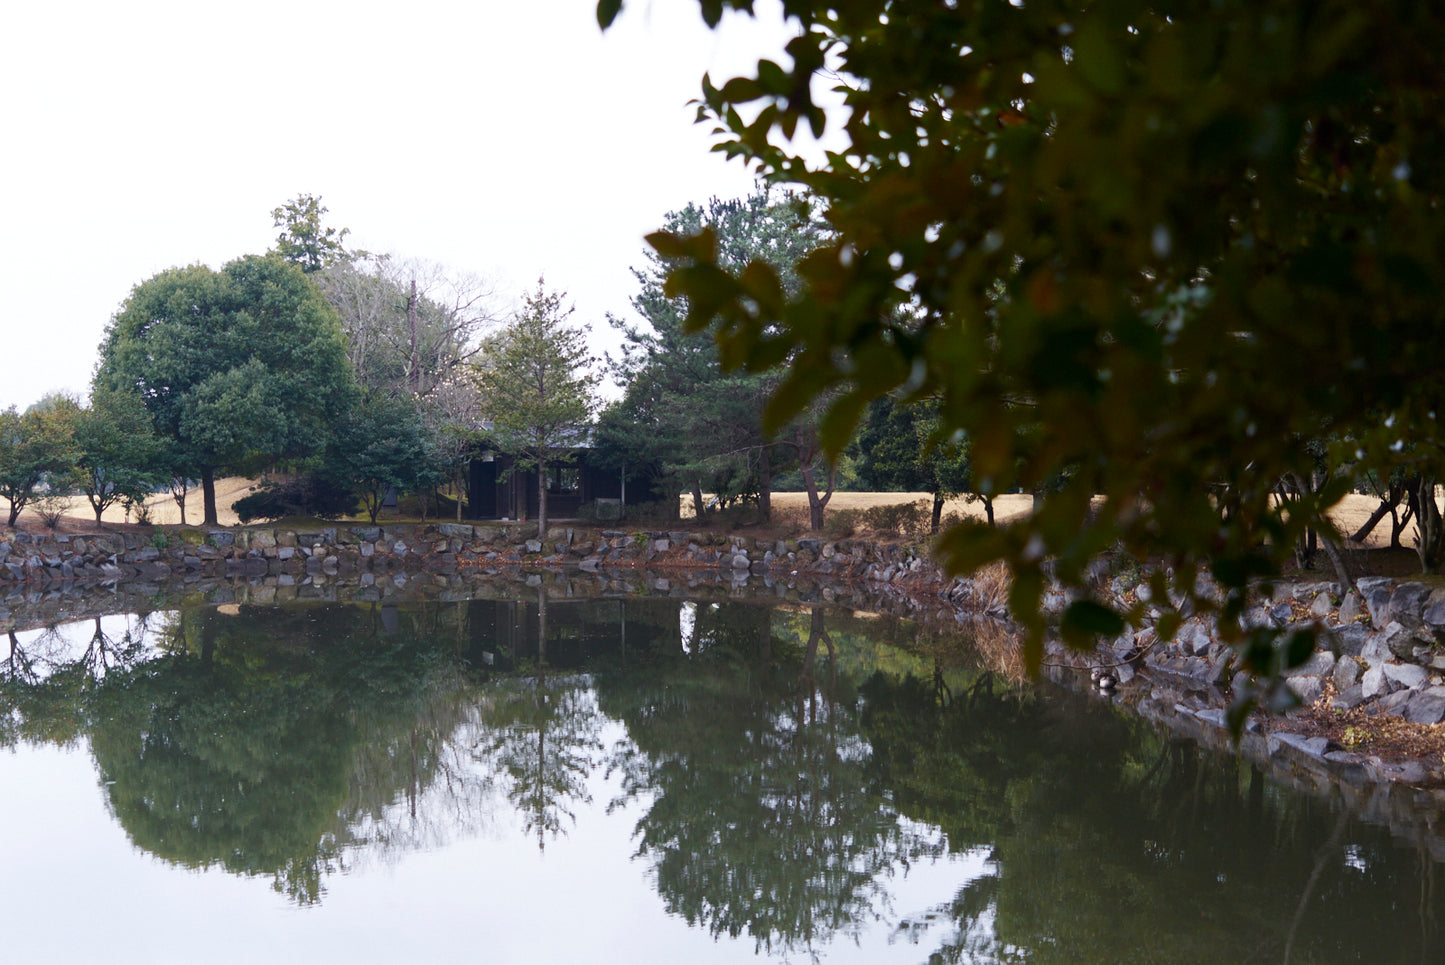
[1322, 605]
[1400, 641]
[1425, 708]
[1368, 584]
[1377, 602]
[1194, 637]
[1349, 698]
[1395, 703]
[1307, 689]
[1310, 746]
[1320, 663]
[1408, 604]
[1346, 674]
[1407, 674]
[741, 562]
[1434, 613]
[454, 530]
[1373, 683]
[1349, 640]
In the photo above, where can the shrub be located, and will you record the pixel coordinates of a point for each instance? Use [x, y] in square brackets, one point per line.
[310, 494]
[842, 523]
[909, 520]
[659, 512]
[51, 508]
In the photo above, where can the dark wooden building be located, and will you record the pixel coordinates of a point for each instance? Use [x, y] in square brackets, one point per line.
[499, 490]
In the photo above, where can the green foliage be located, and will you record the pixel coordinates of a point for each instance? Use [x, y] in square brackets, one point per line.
[303, 240]
[693, 425]
[380, 445]
[321, 494]
[118, 456]
[903, 446]
[1139, 248]
[235, 365]
[33, 446]
[536, 387]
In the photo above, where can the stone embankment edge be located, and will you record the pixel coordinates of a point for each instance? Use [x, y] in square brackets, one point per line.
[1382, 653]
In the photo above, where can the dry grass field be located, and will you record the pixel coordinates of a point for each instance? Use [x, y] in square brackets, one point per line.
[163, 509]
[1349, 515]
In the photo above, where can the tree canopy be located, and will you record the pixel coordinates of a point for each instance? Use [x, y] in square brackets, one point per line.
[536, 387]
[693, 424]
[1145, 248]
[33, 445]
[233, 364]
[304, 240]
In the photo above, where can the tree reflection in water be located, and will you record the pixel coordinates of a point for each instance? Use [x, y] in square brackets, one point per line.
[763, 819]
[785, 768]
[542, 736]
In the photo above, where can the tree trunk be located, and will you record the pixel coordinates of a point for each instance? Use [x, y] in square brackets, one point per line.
[208, 495]
[1398, 524]
[938, 501]
[178, 493]
[412, 373]
[1430, 535]
[807, 452]
[1385, 508]
[542, 500]
[698, 509]
[765, 485]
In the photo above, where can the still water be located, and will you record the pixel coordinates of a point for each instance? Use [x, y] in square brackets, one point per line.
[636, 780]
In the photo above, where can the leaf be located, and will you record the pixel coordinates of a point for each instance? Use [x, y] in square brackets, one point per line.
[607, 11]
[1086, 620]
[1299, 648]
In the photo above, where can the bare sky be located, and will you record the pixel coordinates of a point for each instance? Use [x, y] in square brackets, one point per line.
[506, 139]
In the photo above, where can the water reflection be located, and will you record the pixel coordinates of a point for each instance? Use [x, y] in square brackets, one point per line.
[783, 772]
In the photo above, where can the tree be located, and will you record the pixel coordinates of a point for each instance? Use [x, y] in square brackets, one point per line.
[1131, 246]
[409, 325]
[379, 446]
[681, 412]
[233, 364]
[901, 450]
[536, 388]
[303, 240]
[412, 328]
[118, 457]
[33, 446]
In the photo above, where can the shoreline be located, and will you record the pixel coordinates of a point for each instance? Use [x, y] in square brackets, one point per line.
[1382, 637]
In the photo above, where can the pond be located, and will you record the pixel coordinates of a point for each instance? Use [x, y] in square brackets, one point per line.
[638, 780]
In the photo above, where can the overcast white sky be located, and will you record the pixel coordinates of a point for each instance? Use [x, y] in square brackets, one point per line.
[502, 137]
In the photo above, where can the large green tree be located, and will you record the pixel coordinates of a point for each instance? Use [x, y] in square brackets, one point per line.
[537, 388]
[234, 364]
[695, 424]
[1132, 245]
